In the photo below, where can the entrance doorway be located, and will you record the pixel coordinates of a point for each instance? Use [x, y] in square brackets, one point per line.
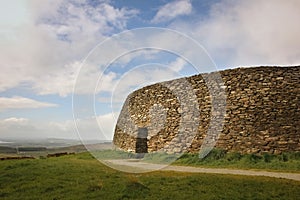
[141, 146]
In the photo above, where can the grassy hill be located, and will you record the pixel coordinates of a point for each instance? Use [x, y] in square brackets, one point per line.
[80, 176]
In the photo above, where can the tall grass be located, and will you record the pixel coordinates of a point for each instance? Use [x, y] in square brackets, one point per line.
[220, 158]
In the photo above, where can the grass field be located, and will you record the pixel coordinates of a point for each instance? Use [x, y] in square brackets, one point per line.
[80, 176]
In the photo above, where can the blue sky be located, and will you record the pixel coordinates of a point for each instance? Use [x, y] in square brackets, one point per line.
[45, 46]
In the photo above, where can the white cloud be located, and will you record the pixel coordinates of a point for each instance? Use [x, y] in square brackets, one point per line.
[59, 82]
[14, 120]
[107, 124]
[25, 128]
[249, 32]
[136, 78]
[17, 127]
[177, 65]
[44, 50]
[12, 19]
[100, 127]
[18, 102]
[172, 10]
[88, 128]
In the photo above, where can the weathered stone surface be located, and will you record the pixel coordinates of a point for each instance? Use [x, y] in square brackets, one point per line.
[262, 113]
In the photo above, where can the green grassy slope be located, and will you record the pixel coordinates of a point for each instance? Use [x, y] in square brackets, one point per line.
[82, 177]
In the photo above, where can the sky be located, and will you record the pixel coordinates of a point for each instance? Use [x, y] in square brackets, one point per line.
[56, 50]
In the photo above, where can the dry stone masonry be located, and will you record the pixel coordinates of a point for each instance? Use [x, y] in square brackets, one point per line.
[262, 113]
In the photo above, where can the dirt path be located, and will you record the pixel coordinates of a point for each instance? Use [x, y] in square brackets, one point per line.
[143, 167]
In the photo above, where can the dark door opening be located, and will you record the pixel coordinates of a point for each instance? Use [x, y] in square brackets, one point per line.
[141, 146]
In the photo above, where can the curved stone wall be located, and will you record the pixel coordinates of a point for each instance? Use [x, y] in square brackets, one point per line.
[262, 113]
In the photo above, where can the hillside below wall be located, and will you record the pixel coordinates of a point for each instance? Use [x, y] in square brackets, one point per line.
[262, 113]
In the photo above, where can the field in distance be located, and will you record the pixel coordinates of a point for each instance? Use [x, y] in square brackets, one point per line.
[42, 147]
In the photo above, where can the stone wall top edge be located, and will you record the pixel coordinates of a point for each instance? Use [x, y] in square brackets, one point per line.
[239, 69]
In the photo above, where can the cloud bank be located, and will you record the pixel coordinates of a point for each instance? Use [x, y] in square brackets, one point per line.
[18, 102]
[249, 33]
[44, 49]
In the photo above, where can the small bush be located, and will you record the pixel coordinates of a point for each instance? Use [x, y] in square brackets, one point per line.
[283, 157]
[268, 157]
[294, 155]
[252, 158]
[234, 156]
[215, 154]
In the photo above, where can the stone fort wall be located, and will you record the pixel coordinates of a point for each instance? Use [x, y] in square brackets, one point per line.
[262, 113]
